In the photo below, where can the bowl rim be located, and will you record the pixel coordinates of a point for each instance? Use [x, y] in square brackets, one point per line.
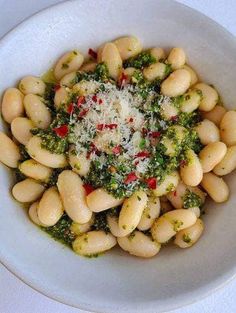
[216, 284]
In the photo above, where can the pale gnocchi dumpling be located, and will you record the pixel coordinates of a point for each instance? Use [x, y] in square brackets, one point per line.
[120, 147]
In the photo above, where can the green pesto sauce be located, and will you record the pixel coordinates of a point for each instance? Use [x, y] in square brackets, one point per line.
[100, 74]
[50, 141]
[140, 61]
[191, 200]
[100, 222]
[100, 174]
[61, 231]
[93, 256]
[186, 238]
[176, 225]
[144, 86]
[23, 153]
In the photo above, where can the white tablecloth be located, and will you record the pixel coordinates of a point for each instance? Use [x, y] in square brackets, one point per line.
[16, 297]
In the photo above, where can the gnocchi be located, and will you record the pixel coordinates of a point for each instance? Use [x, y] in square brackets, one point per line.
[121, 147]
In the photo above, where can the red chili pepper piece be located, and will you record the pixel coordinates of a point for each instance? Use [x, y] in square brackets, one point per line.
[116, 150]
[80, 101]
[92, 149]
[95, 98]
[61, 131]
[175, 193]
[57, 87]
[130, 178]
[83, 112]
[111, 126]
[131, 120]
[70, 108]
[122, 79]
[142, 154]
[100, 101]
[88, 188]
[152, 182]
[174, 118]
[92, 53]
[155, 134]
[136, 162]
[100, 126]
[144, 132]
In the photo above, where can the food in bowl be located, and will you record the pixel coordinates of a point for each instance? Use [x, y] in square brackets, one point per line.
[122, 147]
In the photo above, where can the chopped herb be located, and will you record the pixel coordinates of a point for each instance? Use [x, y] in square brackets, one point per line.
[186, 238]
[143, 86]
[50, 140]
[65, 66]
[100, 222]
[189, 119]
[177, 224]
[49, 97]
[23, 153]
[140, 61]
[168, 70]
[191, 200]
[93, 256]
[170, 187]
[100, 73]
[54, 176]
[61, 231]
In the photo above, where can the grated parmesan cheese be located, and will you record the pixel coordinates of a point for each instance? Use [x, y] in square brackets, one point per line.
[115, 118]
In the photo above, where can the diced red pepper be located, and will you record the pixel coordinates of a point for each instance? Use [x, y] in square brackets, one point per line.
[122, 79]
[57, 87]
[111, 126]
[88, 188]
[93, 53]
[154, 141]
[174, 118]
[116, 150]
[100, 101]
[131, 120]
[144, 132]
[130, 178]
[100, 126]
[142, 154]
[80, 101]
[155, 134]
[70, 108]
[152, 182]
[95, 98]
[92, 149]
[83, 112]
[61, 131]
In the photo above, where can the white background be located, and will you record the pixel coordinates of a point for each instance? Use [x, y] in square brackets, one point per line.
[16, 297]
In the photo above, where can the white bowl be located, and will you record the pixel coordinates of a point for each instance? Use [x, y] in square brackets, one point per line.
[118, 282]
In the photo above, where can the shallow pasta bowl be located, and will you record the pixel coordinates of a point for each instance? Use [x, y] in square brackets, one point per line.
[117, 282]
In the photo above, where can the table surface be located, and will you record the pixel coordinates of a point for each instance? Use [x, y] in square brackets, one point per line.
[18, 297]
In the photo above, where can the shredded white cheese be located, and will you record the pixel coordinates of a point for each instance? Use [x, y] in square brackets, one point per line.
[114, 120]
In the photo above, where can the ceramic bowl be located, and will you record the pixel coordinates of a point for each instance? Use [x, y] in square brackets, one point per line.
[118, 282]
